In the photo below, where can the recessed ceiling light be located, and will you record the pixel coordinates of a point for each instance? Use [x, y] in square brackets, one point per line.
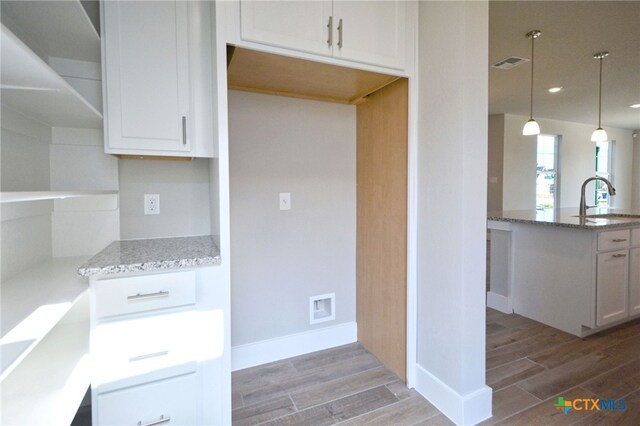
[555, 89]
[634, 106]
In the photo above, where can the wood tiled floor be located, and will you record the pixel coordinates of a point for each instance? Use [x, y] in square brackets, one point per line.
[528, 366]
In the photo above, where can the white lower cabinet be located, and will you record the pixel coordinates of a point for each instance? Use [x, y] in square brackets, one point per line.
[618, 275]
[612, 279]
[634, 280]
[160, 348]
[168, 401]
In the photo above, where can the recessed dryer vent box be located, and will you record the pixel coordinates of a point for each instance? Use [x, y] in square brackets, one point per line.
[322, 308]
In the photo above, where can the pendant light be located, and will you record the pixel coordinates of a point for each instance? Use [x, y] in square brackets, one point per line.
[599, 135]
[531, 127]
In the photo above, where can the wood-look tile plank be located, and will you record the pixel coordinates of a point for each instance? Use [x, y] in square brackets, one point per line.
[400, 390]
[326, 357]
[236, 399]
[360, 403]
[544, 413]
[515, 321]
[250, 378]
[263, 412]
[342, 387]
[299, 381]
[494, 327]
[568, 375]
[316, 416]
[566, 352]
[628, 417]
[508, 374]
[509, 336]
[527, 347]
[405, 412]
[438, 420]
[628, 349]
[509, 401]
[617, 334]
[616, 383]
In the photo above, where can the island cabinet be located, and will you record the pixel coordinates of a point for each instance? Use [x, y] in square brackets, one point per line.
[157, 78]
[159, 341]
[370, 32]
[577, 276]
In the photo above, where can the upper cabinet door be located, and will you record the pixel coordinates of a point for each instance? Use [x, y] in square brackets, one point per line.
[299, 25]
[372, 32]
[146, 80]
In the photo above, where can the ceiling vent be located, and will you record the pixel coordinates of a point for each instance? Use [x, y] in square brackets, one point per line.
[509, 62]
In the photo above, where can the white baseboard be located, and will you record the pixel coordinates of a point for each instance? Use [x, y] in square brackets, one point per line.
[461, 409]
[499, 302]
[262, 352]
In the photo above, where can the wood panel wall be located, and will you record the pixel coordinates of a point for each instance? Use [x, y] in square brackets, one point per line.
[381, 265]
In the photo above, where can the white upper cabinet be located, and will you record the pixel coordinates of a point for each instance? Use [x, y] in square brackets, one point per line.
[299, 25]
[370, 32]
[153, 83]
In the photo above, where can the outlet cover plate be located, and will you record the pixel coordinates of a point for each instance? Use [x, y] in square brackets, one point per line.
[151, 203]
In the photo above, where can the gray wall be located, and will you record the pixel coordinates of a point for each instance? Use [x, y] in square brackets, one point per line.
[495, 162]
[577, 159]
[184, 198]
[281, 258]
[636, 172]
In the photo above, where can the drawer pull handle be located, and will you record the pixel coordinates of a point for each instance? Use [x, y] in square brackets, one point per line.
[330, 27]
[160, 421]
[147, 296]
[619, 240]
[340, 33]
[618, 255]
[184, 130]
[147, 356]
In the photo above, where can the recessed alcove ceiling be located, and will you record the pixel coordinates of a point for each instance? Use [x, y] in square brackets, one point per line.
[254, 71]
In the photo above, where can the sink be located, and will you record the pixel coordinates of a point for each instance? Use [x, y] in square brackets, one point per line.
[612, 216]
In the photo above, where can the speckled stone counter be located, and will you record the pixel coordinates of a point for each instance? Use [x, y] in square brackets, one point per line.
[152, 255]
[567, 217]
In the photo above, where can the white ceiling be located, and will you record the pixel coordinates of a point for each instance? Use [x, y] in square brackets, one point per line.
[572, 32]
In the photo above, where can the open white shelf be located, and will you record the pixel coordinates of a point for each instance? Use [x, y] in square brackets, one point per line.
[48, 387]
[29, 85]
[24, 196]
[33, 303]
[59, 28]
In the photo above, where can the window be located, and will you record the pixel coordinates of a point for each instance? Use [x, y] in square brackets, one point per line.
[604, 168]
[547, 177]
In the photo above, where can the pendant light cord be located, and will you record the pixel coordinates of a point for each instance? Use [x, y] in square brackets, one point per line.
[600, 97]
[533, 38]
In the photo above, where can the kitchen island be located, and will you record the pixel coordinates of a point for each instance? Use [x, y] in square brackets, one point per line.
[577, 274]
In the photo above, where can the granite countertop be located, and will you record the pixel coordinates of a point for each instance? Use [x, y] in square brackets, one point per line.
[567, 217]
[152, 255]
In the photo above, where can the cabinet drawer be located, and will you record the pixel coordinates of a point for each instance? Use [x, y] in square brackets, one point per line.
[144, 293]
[614, 240]
[170, 401]
[635, 237]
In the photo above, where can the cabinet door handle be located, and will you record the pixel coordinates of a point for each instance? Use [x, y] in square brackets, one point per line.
[340, 33]
[619, 240]
[160, 421]
[618, 255]
[330, 27]
[158, 295]
[147, 356]
[184, 130]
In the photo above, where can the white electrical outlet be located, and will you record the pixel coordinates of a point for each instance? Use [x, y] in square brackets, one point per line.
[151, 203]
[285, 201]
